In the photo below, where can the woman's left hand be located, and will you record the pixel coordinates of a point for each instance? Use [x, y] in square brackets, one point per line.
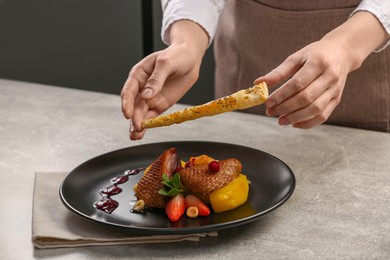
[318, 73]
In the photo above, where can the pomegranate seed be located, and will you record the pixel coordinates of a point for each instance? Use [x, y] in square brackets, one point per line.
[189, 164]
[214, 166]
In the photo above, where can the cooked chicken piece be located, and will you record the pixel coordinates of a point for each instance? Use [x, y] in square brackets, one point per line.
[151, 182]
[200, 179]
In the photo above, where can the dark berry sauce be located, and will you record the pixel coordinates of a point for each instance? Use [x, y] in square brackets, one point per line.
[107, 204]
[111, 190]
[120, 179]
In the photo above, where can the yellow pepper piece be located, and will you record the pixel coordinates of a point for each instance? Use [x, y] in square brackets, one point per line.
[201, 159]
[230, 196]
[147, 169]
[182, 163]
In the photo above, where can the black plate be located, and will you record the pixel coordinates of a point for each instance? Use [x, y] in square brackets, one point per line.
[272, 183]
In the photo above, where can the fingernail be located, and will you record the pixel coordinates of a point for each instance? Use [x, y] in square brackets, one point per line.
[271, 112]
[147, 92]
[283, 121]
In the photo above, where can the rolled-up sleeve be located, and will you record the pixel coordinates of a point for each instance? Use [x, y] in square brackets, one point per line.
[381, 10]
[203, 12]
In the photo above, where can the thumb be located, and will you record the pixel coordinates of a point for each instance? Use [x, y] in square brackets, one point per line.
[156, 81]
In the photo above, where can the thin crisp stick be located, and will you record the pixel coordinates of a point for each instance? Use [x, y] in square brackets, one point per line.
[242, 99]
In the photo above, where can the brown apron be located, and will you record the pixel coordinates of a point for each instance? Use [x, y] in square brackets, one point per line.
[254, 37]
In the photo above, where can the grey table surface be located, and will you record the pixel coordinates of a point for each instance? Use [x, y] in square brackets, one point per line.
[340, 207]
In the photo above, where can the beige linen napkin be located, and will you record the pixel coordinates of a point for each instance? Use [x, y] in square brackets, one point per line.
[55, 226]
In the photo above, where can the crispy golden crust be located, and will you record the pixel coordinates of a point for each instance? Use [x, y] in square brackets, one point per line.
[242, 99]
[151, 182]
[199, 178]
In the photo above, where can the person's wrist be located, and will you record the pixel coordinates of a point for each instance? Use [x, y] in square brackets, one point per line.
[358, 37]
[191, 35]
[351, 56]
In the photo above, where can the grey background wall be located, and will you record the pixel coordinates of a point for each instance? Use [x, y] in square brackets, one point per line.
[85, 44]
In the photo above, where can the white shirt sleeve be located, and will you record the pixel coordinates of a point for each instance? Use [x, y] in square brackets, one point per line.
[203, 12]
[206, 14]
[381, 10]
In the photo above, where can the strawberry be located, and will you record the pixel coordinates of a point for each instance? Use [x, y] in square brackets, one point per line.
[175, 207]
[193, 201]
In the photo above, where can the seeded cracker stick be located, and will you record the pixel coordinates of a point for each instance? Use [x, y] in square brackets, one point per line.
[242, 99]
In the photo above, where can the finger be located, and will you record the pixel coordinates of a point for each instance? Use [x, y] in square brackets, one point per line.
[140, 110]
[305, 76]
[134, 135]
[302, 99]
[284, 71]
[315, 109]
[162, 70]
[128, 94]
[137, 135]
[318, 119]
[137, 78]
[143, 111]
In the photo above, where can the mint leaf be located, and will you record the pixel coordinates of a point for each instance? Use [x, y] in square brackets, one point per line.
[163, 192]
[167, 182]
[173, 185]
[174, 192]
[176, 180]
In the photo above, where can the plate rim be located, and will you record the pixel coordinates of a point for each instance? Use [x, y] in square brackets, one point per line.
[181, 230]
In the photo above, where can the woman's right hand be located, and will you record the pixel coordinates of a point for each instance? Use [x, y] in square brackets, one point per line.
[159, 80]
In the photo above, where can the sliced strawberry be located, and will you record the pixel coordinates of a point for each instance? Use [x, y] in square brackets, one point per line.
[175, 207]
[193, 201]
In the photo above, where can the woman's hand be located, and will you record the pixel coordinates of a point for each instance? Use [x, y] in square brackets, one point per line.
[318, 77]
[159, 80]
[317, 73]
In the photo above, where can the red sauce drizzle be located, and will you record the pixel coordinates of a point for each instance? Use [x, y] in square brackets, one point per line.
[107, 204]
